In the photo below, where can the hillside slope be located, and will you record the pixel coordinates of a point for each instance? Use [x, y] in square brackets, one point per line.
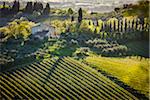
[61, 79]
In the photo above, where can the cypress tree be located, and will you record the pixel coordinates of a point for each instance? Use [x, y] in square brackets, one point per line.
[105, 25]
[114, 25]
[89, 22]
[125, 25]
[35, 6]
[46, 9]
[15, 7]
[95, 31]
[80, 15]
[129, 25]
[93, 23]
[97, 23]
[132, 25]
[4, 5]
[40, 6]
[72, 18]
[110, 27]
[118, 24]
[121, 25]
[142, 22]
[102, 27]
[136, 24]
[29, 8]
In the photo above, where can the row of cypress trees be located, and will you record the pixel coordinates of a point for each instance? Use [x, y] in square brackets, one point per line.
[30, 7]
[37, 6]
[10, 10]
[120, 25]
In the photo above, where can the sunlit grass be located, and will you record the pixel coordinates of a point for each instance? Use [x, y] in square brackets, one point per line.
[131, 71]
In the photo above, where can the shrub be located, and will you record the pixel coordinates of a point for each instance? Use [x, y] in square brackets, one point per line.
[107, 48]
[82, 52]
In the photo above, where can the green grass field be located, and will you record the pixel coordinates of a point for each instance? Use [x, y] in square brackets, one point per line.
[132, 71]
[62, 79]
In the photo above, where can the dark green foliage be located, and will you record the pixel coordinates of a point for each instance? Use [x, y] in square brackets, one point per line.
[110, 27]
[46, 9]
[125, 25]
[142, 22]
[107, 48]
[132, 25]
[90, 23]
[102, 28]
[116, 9]
[136, 24]
[129, 28]
[35, 6]
[121, 26]
[95, 31]
[15, 7]
[72, 18]
[4, 11]
[80, 15]
[114, 25]
[70, 11]
[82, 52]
[29, 8]
[97, 24]
[118, 24]
[38, 6]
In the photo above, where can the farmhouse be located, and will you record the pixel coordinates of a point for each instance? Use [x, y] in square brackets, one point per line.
[41, 31]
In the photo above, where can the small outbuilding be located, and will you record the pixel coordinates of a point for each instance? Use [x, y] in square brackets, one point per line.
[41, 31]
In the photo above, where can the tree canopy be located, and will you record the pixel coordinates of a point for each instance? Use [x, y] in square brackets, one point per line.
[18, 28]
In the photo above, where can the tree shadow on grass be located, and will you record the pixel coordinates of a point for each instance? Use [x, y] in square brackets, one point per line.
[21, 54]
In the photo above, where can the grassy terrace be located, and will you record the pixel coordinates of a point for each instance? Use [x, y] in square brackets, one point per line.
[62, 79]
[132, 71]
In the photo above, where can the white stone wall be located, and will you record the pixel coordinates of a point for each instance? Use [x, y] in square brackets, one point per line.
[42, 27]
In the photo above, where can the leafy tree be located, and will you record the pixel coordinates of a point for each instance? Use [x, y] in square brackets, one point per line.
[80, 15]
[46, 9]
[70, 11]
[17, 29]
